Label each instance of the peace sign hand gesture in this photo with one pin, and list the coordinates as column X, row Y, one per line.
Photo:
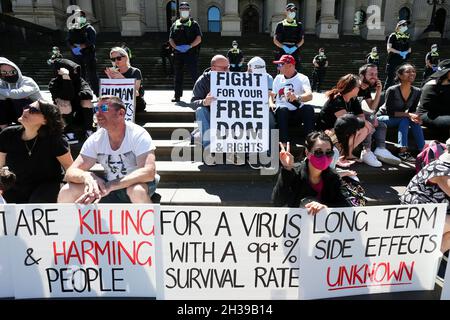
column 286, row 158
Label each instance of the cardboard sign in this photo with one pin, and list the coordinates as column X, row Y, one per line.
column 218, row 253
column 240, row 113
column 125, row 89
column 6, row 278
column 355, row 251
column 83, row 251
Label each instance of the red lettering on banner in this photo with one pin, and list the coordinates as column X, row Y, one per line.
column 98, row 222
column 377, row 274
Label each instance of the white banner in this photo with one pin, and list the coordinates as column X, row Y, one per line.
column 83, row 251
column 6, row 279
column 355, row 251
column 240, row 113
column 125, row 89
column 216, row 253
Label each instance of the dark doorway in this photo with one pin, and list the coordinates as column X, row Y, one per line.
column 6, row 6
column 171, row 13
column 441, row 16
column 250, row 21
column 404, row 14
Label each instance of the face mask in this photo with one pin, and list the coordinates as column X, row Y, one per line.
column 434, row 50
column 291, row 15
column 321, row 163
column 82, row 20
column 235, row 47
column 403, row 29
column 184, row 14
column 321, row 53
column 11, row 79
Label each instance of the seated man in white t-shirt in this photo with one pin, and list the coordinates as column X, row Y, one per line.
column 126, row 152
column 292, row 90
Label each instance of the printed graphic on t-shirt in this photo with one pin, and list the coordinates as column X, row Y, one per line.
column 117, row 165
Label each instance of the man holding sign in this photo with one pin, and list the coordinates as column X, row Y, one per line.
column 126, row 152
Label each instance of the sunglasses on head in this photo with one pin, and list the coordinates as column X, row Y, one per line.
column 103, row 107
column 32, row 110
column 8, row 73
column 119, row 58
column 320, row 153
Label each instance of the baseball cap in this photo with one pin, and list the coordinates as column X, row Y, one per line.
column 291, row 6
column 184, row 5
column 234, row 43
column 257, row 64
column 286, row 59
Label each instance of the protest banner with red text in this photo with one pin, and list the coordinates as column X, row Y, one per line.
column 83, row 251
column 355, row 251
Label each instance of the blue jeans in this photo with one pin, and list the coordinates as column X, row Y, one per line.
column 203, row 117
column 403, row 125
column 285, row 117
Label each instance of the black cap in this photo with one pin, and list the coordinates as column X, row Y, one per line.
column 184, row 5
column 291, row 6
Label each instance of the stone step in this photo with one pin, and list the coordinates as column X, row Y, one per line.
column 165, row 130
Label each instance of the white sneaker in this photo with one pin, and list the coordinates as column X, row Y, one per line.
column 386, row 156
column 369, row 158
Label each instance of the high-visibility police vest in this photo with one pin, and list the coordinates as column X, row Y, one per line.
column 183, row 32
column 290, row 32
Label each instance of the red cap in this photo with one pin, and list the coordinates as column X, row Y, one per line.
column 286, row 59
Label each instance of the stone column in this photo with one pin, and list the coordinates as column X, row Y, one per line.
column 279, row 9
column 231, row 22
column 328, row 26
column 421, row 17
column 132, row 21
column 375, row 28
column 349, row 17
column 310, row 16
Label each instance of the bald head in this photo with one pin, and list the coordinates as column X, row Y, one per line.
column 219, row 63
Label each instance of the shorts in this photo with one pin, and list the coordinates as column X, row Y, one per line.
column 121, row 196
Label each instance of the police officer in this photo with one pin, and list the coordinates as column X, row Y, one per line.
column 432, row 60
column 373, row 57
column 81, row 41
column 320, row 63
column 235, row 57
column 185, row 36
column 289, row 35
column 399, row 49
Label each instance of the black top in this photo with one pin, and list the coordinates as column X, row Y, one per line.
column 434, row 100
column 135, row 73
column 293, row 186
column 183, row 33
column 86, row 35
column 433, row 58
column 289, row 32
column 396, row 103
column 235, row 56
column 400, row 42
column 42, row 166
column 321, row 60
column 327, row 117
column 373, row 59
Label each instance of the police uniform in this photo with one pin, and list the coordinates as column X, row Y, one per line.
column 433, row 58
column 401, row 42
column 184, row 33
column 235, row 57
column 289, row 34
column 374, row 58
column 318, row 75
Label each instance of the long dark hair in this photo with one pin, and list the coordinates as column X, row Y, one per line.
column 345, row 84
column 345, row 127
column 54, row 121
column 312, row 138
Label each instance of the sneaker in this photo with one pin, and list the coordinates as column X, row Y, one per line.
column 406, row 157
column 369, row 158
column 71, row 139
column 386, row 156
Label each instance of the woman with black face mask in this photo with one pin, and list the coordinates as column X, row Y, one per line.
column 16, row 92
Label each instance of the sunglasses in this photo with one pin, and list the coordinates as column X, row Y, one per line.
column 32, row 110
column 8, row 73
column 320, row 153
column 280, row 65
column 119, row 58
column 103, row 107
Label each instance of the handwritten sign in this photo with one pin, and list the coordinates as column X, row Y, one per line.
column 6, row 278
column 228, row 253
column 240, row 113
column 354, row 251
column 125, row 89
column 83, row 251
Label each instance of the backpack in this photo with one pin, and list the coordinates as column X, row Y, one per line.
column 430, row 152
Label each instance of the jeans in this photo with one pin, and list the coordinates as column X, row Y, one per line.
column 379, row 135
column 203, row 118
column 305, row 115
column 403, row 125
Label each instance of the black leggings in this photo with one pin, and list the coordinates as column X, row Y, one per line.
column 46, row 192
column 440, row 124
